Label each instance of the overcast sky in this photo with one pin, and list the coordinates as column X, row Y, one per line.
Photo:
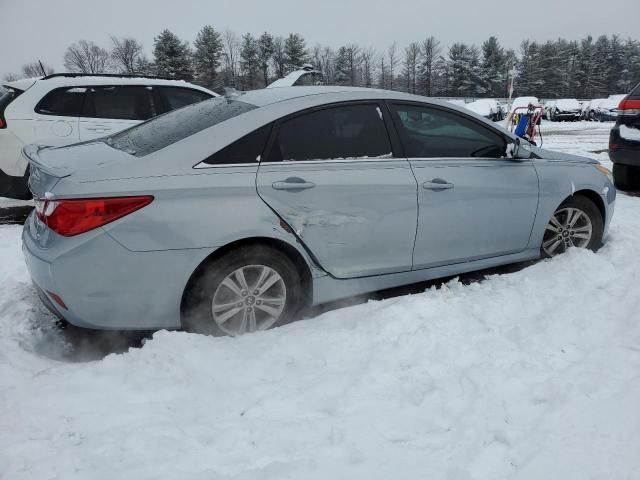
column 42, row 29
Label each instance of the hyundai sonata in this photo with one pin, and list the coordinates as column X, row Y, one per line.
column 233, row 214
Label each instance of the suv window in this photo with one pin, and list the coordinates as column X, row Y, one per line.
column 349, row 131
column 245, row 150
column 121, row 102
column 177, row 97
column 174, row 126
column 66, row 102
column 433, row 133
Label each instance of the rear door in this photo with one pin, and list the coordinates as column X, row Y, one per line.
column 473, row 202
column 110, row 109
column 332, row 175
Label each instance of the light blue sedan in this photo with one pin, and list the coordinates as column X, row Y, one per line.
column 232, row 215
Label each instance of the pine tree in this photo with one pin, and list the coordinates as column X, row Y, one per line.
column 464, row 63
column 493, row 67
column 249, row 61
column 295, row 52
column 265, row 53
column 342, row 73
column 172, row 56
column 207, row 56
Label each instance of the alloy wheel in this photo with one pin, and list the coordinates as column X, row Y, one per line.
column 249, row 299
column 569, row 227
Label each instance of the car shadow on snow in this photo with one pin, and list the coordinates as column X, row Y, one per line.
column 62, row 341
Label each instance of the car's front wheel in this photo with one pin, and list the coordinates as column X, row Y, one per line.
column 576, row 223
column 246, row 290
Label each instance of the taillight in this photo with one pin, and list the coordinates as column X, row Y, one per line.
column 3, row 123
column 72, row 217
column 629, row 107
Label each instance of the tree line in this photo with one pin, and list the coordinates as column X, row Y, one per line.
column 585, row 68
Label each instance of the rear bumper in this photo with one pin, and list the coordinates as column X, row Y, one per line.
column 102, row 284
column 626, row 152
column 575, row 116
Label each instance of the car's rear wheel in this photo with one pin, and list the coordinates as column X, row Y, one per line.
column 250, row 289
column 576, row 223
column 626, row 177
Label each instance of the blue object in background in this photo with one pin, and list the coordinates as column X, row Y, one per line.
column 521, row 128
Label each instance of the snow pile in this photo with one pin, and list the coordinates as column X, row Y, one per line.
column 527, row 375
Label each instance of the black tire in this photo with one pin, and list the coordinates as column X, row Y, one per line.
column 197, row 315
column 581, row 202
column 626, row 177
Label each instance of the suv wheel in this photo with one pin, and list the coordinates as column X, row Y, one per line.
column 250, row 289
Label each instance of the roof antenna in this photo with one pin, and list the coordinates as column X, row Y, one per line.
column 44, row 72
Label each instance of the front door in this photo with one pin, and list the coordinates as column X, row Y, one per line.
column 474, row 203
column 331, row 174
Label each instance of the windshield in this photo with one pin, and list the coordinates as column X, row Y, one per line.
column 162, row 131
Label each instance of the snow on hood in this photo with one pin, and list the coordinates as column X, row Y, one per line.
column 567, row 104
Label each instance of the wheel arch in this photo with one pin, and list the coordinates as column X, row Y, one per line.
column 289, row 250
column 594, row 197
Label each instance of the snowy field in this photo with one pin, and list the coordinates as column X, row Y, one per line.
column 526, row 375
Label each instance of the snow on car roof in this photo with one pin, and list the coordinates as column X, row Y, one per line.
column 290, row 79
column 72, row 81
column 483, row 106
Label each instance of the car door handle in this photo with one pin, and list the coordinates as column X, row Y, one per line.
column 293, row 183
column 437, row 184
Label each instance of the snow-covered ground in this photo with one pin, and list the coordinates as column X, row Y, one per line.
column 526, row 375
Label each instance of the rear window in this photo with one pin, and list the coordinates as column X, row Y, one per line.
column 635, row 92
column 162, row 131
column 66, row 102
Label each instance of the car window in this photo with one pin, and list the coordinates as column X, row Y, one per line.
column 65, row 102
column 177, row 97
column 433, row 133
column 245, row 150
column 164, row 130
column 350, row 131
column 121, row 102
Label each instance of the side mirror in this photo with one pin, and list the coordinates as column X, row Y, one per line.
column 519, row 149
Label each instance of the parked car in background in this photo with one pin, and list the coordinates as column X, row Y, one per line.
column 488, row 108
column 564, row 109
column 231, row 215
column 66, row 108
column 624, row 142
column 606, row 110
column 306, row 76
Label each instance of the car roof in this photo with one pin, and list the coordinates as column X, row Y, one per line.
column 268, row 96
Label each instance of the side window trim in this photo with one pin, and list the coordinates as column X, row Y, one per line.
column 396, row 151
column 398, row 126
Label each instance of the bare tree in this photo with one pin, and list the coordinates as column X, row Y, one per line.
column 126, row 54
column 279, row 57
column 327, row 65
column 368, row 57
column 392, row 54
column 11, row 77
column 353, row 60
column 430, row 50
column 231, row 54
column 35, row 69
column 86, row 57
column 411, row 55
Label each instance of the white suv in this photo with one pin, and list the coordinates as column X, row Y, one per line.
column 62, row 109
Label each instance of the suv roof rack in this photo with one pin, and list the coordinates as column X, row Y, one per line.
column 113, row 75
